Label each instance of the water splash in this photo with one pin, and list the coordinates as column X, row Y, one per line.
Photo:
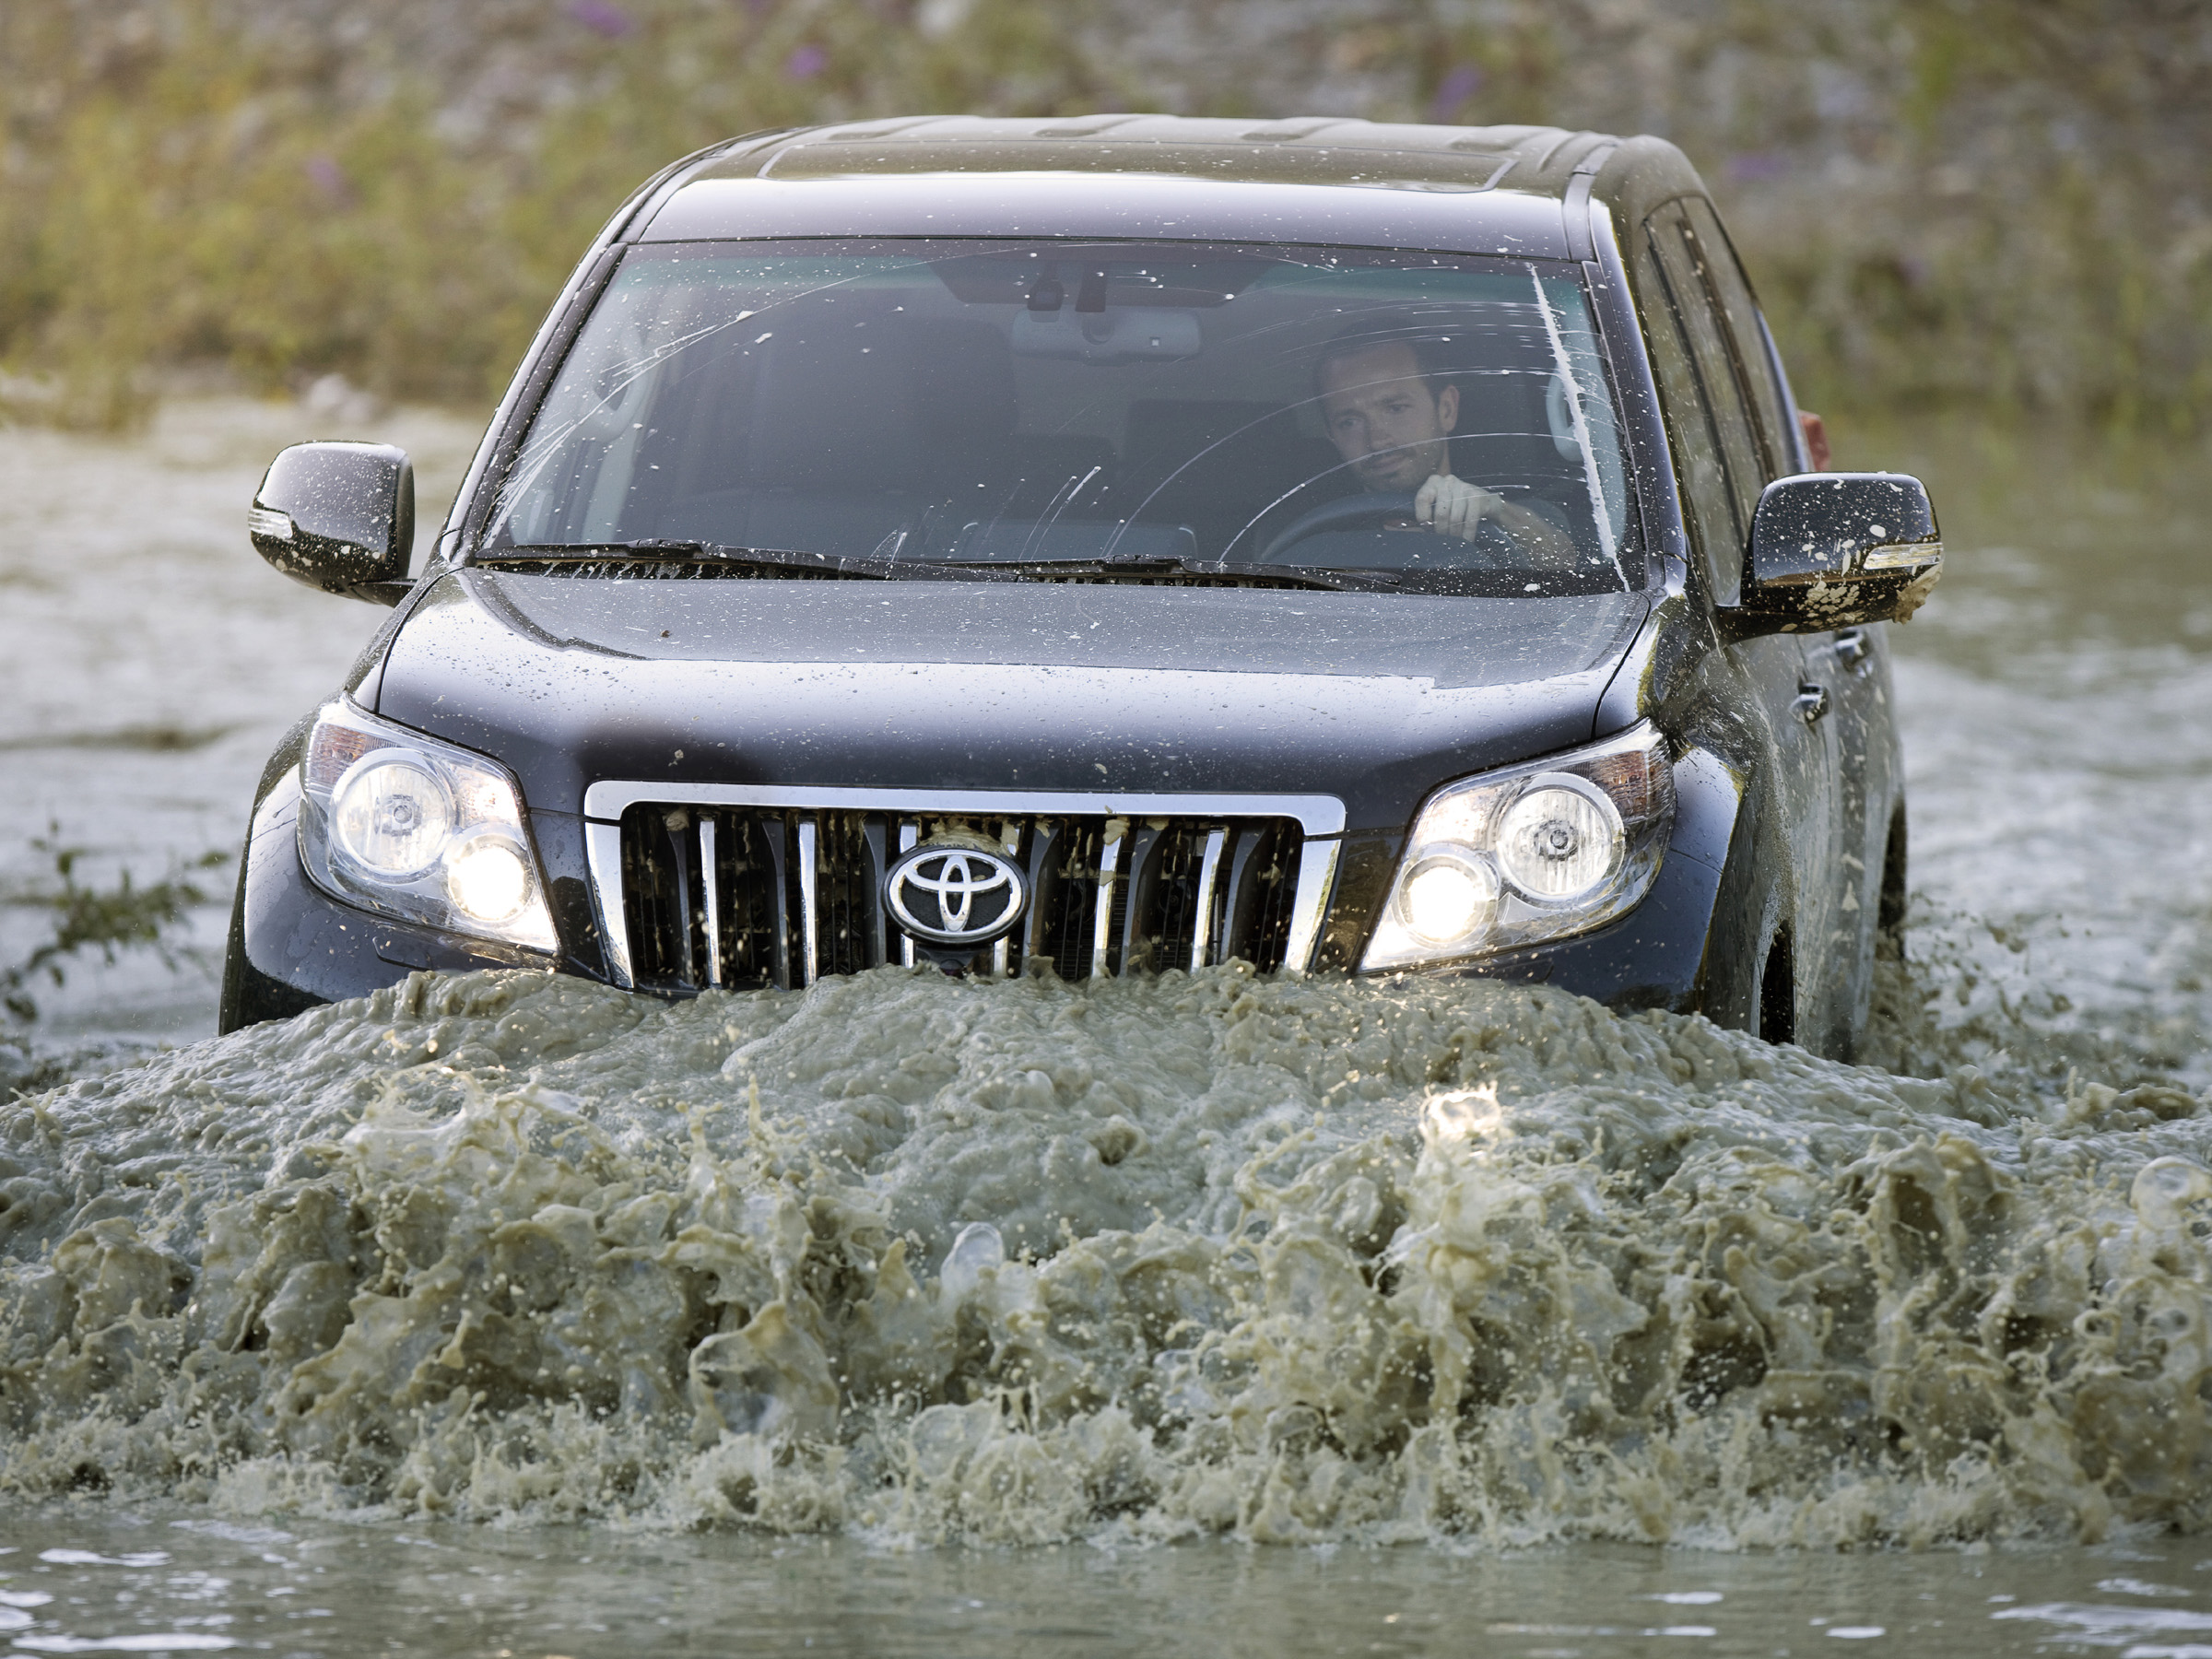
column 927, row 1259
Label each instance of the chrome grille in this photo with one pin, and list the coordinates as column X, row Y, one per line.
column 738, row 893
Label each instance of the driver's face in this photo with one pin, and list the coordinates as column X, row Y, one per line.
column 1383, row 418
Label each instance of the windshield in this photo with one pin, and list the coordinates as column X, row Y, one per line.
column 1433, row 422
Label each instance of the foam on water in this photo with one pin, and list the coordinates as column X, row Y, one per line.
column 927, row 1259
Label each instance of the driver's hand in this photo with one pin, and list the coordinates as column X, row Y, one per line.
column 1454, row 507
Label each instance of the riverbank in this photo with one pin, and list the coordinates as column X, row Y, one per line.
column 1973, row 208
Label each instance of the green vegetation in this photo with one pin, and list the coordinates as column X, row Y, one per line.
column 1969, row 205
column 123, row 917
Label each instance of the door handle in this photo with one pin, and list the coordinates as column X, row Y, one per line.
column 1852, row 647
column 1811, row 703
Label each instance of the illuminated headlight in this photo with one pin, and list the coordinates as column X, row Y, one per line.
column 1535, row 853
column 488, row 879
column 1449, row 894
column 400, row 823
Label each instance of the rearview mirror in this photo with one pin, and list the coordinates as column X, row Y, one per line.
column 1837, row 550
column 339, row 517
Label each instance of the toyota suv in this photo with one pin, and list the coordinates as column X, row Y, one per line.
column 1113, row 547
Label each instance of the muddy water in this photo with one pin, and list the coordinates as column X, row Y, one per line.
column 2057, row 747
column 913, row 1316
column 148, row 661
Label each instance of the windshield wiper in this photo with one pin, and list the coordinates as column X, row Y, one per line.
column 714, row 553
column 1111, row 567
column 1139, row 567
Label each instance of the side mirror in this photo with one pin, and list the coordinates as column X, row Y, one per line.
column 1837, row 550
column 339, row 517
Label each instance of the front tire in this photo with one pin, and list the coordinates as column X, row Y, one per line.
column 1890, row 913
column 1775, row 1006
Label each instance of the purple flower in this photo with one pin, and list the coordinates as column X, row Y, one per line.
column 1461, row 82
column 805, row 64
column 1758, row 165
column 329, row 179
column 608, row 22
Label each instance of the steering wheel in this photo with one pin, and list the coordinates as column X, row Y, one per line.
column 1372, row 512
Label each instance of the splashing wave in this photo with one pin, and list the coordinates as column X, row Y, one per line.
column 930, row 1260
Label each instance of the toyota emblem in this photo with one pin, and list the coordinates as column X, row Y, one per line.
column 955, row 895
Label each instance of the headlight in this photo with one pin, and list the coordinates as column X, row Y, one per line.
column 488, row 879
column 391, row 814
column 1531, row 853
column 400, row 823
column 1560, row 840
column 1449, row 894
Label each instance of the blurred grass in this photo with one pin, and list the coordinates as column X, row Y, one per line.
column 200, row 195
column 107, row 920
column 1969, row 207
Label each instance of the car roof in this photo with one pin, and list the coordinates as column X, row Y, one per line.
column 1318, row 150
column 1506, row 190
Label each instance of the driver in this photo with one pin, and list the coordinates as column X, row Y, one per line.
column 1391, row 416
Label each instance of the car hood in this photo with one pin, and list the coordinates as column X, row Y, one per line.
column 1088, row 686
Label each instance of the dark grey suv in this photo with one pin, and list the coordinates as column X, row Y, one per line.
column 1113, row 546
